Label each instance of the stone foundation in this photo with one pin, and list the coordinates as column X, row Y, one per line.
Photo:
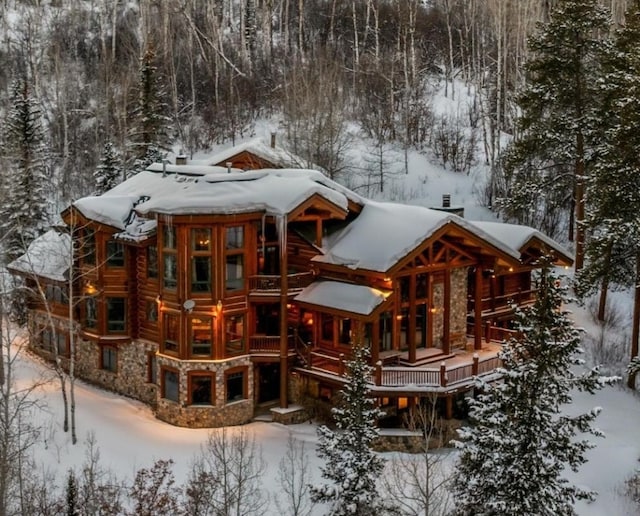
column 218, row 414
column 293, row 415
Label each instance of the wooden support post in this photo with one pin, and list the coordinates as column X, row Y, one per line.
column 448, row 407
column 476, row 363
column 284, row 322
column 378, row 373
column 443, row 374
column 487, row 330
column 411, row 323
column 341, row 365
column 477, row 311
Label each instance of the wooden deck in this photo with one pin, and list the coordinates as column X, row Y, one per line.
column 433, row 371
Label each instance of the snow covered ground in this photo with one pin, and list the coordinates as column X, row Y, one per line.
column 129, row 438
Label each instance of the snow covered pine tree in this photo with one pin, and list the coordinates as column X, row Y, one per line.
column 351, row 466
column 521, row 439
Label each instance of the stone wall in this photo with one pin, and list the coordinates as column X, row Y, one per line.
column 204, row 416
column 458, row 313
column 132, row 370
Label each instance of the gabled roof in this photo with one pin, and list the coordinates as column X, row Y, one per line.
column 276, row 156
column 523, row 238
column 384, row 233
column 46, row 257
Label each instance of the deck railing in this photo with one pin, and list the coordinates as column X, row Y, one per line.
column 267, row 343
column 273, row 283
column 444, row 375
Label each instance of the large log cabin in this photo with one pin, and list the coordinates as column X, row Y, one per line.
column 210, row 293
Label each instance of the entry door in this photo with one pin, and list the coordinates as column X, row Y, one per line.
column 269, row 378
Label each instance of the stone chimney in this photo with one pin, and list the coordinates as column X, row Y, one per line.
column 446, row 200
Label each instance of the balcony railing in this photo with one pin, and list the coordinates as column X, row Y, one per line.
column 268, row 343
column 273, row 283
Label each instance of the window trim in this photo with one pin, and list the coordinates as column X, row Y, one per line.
column 243, row 339
column 114, row 350
column 190, row 335
column 244, row 370
column 203, row 374
column 163, row 348
column 124, row 321
column 119, row 254
column 235, row 251
column 163, row 383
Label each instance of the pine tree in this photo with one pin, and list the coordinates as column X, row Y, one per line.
column 109, row 170
column 613, row 252
column 546, row 166
column 351, row 466
column 23, row 211
column 72, row 495
column 150, row 125
column 521, row 440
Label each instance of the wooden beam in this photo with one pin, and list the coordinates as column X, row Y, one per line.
column 411, row 327
column 284, row 324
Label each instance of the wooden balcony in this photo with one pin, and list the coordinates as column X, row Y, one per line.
column 268, row 344
column 502, row 304
column 272, row 284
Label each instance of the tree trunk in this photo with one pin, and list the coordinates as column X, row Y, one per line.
column 631, row 381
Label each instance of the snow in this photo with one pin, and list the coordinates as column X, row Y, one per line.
column 47, row 256
column 386, row 232
column 356, row 299
column 129, row 438
column 517, row 236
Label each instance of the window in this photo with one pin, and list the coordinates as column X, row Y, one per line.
column 152, row 311
column 88, row 250
column 386, row 331
column 171, row 333
column 46, row 340
column 152, row 262
column 170, row 271
column 200, row 274
column 56, row 294
column 61, row 344
column 236, row 385
column 169, row 237
column 234, row 259
column 201, row 260
column 327, row 327
column 201, row 389
column 115, row 254
column 116, row 314
column 170, row 385
column 169, row 257
column 235, row 272
column 109, row 359
column 235, row 237
column 201, row 334
column 234, row 334
column 90, row 312
column 344, row 335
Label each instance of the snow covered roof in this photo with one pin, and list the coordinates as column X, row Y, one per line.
column 356, row 299
column 211, row 190
column 47, row 257
column 519, row 237
column 386, row 232
column 277, row 156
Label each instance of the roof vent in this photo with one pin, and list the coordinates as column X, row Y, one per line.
column 229, row 165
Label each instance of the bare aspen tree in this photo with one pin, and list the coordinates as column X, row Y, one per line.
column 418, row 483
column 294, row 477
